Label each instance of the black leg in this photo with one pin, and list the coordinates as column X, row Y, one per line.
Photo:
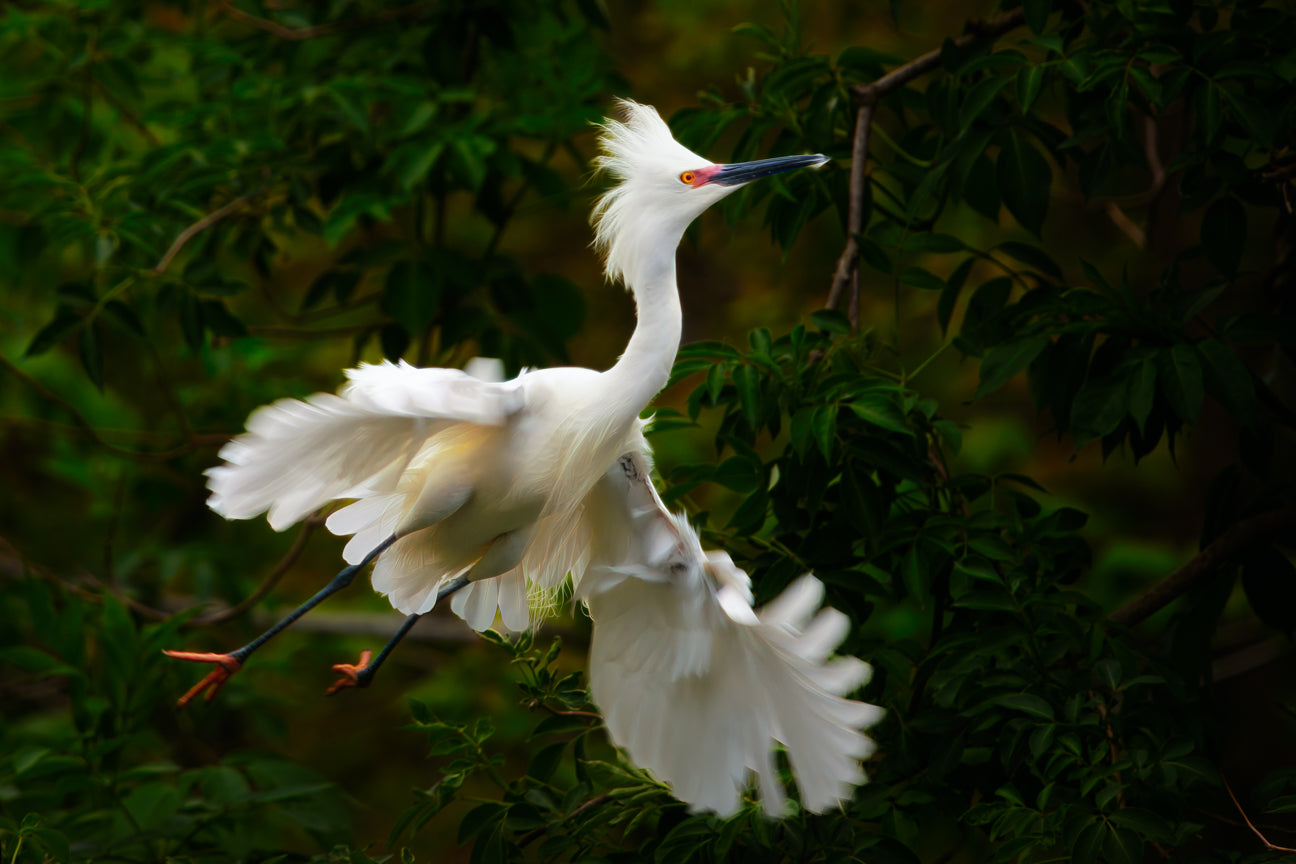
column 362, row 673
column 340, row 581
column 228, row 664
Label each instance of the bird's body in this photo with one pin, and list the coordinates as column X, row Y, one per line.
column 499, row 491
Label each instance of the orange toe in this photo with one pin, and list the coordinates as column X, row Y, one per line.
column 226, row 666
column 350, row 673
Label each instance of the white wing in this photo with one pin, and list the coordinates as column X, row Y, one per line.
column 697, row 686
column 298, row 455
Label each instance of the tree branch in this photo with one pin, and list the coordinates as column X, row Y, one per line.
column 272, row 578
column 294, row 34
column 1254, row 830
column 201, row 225
column 85, row 427
column 1240, row 537
column 866, row 97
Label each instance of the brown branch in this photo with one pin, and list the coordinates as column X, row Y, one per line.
column 1243, row 535
column 1254, row 830
column 866, row 97
column 531, row 836
column 848, row 264
column 201, row 225
column 272, row 578
column 89, row 430
column 294, row 34
column 561, row 712
column 324, row 333
column 129, row 116
column 1126, row 224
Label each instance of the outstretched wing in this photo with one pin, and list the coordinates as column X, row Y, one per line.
column 299, row 454
column 696, row 685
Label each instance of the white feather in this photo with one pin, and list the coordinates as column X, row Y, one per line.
column 698, row 687
column 298, row 455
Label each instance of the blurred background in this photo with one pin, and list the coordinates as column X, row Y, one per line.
column 403, row 180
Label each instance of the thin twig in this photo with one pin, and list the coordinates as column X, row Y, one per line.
column 327, row 333
column 272, row 578
column 866, row 97
column 1126, row 224
column 1254, row 830
column 129, row 116
column 294, row 34
column 220, row 615
column 848, row 263
column 89, row 430
column 561, row 712
column 531, row 836
column 201, row 225
column 1243, row 535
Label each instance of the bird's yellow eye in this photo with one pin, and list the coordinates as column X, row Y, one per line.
column 687, row 178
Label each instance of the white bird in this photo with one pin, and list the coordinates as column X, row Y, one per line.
column 501, row 490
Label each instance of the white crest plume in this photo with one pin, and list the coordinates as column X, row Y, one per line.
column 646, row 160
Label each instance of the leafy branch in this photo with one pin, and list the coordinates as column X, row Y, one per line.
column 1225, row 549
column 846, row 273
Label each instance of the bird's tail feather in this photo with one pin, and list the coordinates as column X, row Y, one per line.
column 706, row 725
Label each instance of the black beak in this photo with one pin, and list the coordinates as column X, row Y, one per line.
column 745, row 172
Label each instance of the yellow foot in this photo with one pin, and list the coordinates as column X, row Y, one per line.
column 350, row 673
column 226, row 666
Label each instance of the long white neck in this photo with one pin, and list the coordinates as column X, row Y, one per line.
column 646, row 364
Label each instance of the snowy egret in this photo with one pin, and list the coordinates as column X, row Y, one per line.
column 498, row 491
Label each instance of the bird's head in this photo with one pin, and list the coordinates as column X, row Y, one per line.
column 662, row 187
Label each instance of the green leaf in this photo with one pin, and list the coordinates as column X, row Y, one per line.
column 921, row 279
column 831, row 321
column 824, row 425
column 1003, row 362
column 33, row 660
column 481, row 818
column 865, row 508
column 410, row 163
column 1029, row 81
column 1028, row 703
column 949, row 294
column 1255, row 118
column 1088, row 842
column 1109, row 672
column 1099, row 408
column 747, row 382
column 881, row 409
column 63, row 323
column 933, row 243
column 412, row 295
column 1024, row 181
column 1122, row 846
column 218, row 319
column 979, row 98
column 1224, row 233
column 1154, row 826
column 1032, row 256
column 981, row 188
column 91, row 352
column 342, row 218
column 1209, row 116
column 1037, row 14
column 1228, row 379
column 739, row 473
column 191, row 320
column 1181, row 380
column 152, row 804
column 546, row 760
column 1142, row 393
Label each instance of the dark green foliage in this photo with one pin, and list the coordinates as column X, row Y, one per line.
column 207, row 206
